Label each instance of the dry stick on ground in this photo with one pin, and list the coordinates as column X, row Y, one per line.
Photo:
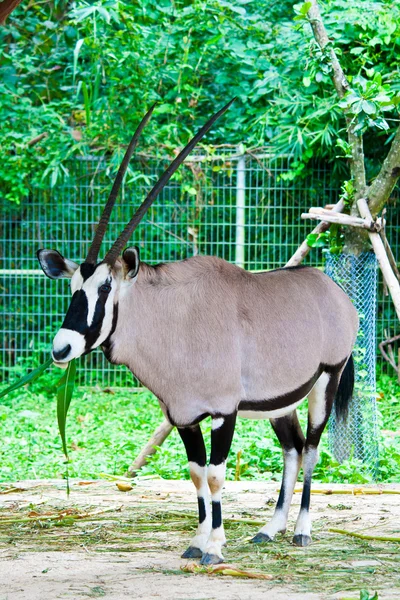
column 160, row 434
column 362, row 536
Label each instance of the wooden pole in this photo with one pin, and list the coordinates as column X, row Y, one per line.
column 384, row 263
column 304, row 248
column 326, row 215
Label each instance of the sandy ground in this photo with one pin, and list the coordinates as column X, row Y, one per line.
column 129, row 545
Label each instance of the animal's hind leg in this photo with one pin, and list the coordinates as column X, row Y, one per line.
column 221, row 439
column 197, row 457
column 291, row 438
column 320, row 401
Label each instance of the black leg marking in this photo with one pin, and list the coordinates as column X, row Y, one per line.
column 202, row 509
column 196, row 453
column 315, row 427
column 221, row 439
column 194, row 444
column 216, row 515
column 291, row 438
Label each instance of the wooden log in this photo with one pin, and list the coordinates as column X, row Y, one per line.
column 341, row 219
column 304, row 248
column 160, row 434
column 384, row 263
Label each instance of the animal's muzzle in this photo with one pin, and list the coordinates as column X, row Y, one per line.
column 59, row 355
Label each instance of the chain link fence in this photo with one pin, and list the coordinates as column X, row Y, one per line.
column 243, row 208
column 358, row 437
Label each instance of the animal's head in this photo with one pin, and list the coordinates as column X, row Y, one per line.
column 92, row 314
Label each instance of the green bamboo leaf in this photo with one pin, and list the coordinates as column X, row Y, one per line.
column 28, row 378
column 65, row 388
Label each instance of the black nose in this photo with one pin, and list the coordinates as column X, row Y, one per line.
column 60, row 354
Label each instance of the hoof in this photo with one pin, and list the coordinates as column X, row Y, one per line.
column 261, row 538
column 301, row 540
column 211, row 559
column 192, row 552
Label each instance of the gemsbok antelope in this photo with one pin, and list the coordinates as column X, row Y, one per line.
column 212, row 340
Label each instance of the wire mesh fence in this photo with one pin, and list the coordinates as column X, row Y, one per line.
column 357, row 437
column 242, row 208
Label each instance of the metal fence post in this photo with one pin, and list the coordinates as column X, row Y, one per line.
column 240, row 208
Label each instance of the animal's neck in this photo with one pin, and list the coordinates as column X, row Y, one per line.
column 124, row 343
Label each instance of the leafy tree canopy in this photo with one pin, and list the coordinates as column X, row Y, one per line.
column 85, row 72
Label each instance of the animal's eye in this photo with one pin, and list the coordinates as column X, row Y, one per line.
column 105, row 288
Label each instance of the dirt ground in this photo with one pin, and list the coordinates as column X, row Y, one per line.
column 102, row 542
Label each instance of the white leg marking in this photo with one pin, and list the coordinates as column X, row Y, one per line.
column 303, row 523
column 217, row 423
column 317, row 400
column 291, row 471
column 216, row 480
column 199, row 477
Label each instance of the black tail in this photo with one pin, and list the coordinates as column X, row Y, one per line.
column 344, row 393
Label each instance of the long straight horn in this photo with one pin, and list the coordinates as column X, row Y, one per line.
column 105, row 217
column 121, row 241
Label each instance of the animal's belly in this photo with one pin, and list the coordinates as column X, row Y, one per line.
column 269, row 414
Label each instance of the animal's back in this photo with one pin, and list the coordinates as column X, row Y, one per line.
column 216, row 334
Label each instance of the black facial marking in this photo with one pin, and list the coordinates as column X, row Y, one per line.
column 216, row 515
column 107, row 345
column 76, row 317
column 87, row 270
column 202, row 509
column 95, row 327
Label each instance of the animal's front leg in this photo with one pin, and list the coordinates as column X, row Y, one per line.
column 196, row 453
column 221, row 439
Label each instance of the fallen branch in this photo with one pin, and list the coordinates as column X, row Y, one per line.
column 350, row 492
column 388, row 358
column 150, row 448
column 59, row 516
column 37, row 139
column 362, row 536
column 224, row 569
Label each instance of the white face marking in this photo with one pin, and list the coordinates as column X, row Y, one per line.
column 91, row 289
column 76, row 281
column 67, row 337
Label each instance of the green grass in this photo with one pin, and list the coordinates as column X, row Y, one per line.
column 105, row 431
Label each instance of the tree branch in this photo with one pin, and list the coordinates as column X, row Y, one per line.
column 6, row 7
column 382, row 186
column 342, row 86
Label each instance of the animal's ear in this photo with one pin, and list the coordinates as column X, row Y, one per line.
column 131, row 259
column 56, row 266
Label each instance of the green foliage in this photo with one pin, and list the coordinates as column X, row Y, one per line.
column 65, row 389
column 85, row 73
column 106, row 430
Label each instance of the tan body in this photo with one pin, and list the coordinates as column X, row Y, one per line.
column 204, row 335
